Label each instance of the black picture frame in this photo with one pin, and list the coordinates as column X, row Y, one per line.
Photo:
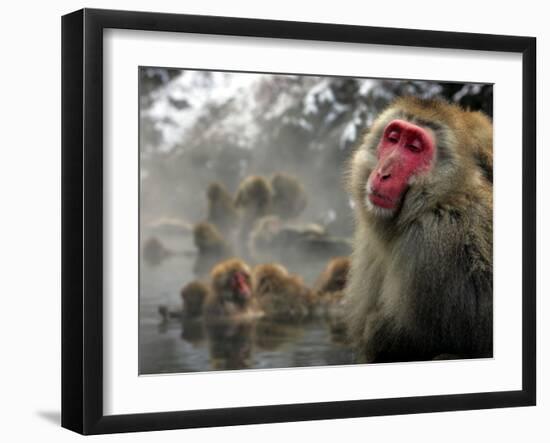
column 82, row 220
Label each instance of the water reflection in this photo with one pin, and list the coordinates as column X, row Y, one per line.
column 230, row 344
column 192, row 331
column 271, row 336
column 171, row 342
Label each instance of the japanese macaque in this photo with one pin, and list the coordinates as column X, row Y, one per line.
column 289, row 197
column 230, row 312
column 421, row 279
column 231, row 293
column 330, row 288
column 212, row 247
column 193, row 296
column 154, row 251
column 282, row 297
column 253, row 201
column 221, row 208
column 254, row 196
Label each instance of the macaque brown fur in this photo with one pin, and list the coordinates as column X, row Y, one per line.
column 221, row 208
column 211, row 246
column 289, row 197
column 282, row 296
column 330, row 287
column 193, row 296
column 421, row 280
column 253, row 201
column 334, row 276
column 253, row 197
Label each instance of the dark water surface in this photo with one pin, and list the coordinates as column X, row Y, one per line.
column 190, row 346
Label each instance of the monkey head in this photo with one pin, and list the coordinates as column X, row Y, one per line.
column 154, row 251
column 269, row 278
column 289, row 196
column 254, row 193
column 215, row 191
column 231, row 282
column 193, row 295
column 206, row 236
column 335, row 275
column 418, row 153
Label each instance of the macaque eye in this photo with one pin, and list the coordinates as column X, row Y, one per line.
column 414, row 146
column 393, row 136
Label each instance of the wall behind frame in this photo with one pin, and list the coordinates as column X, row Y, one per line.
column 30, row 196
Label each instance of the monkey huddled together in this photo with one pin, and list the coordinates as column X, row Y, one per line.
column 260, row 224
column 234, row 290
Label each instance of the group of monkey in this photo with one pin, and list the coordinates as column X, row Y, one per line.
column 419, row 282
column 237, row 225
column 236, row 292
column 254, row 225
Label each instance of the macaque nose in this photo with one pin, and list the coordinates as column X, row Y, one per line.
column 383, row 173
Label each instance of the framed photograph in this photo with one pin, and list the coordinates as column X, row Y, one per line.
column 269, row 221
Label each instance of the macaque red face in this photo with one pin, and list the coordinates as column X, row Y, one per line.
column 405, row 151
column 240, row 283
